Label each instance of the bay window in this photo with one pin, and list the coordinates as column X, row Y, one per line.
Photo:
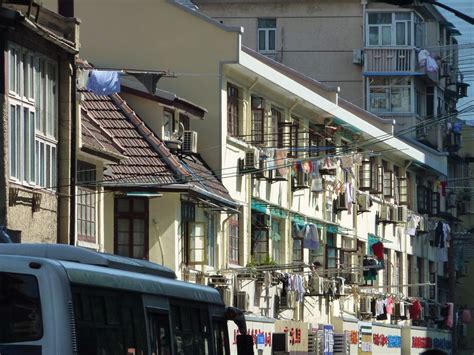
column 390, row 94
column 32, row 124
column 394, row 29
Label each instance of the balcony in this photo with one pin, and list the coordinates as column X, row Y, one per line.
column 394, row 61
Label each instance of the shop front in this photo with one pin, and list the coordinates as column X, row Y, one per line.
column 415, row 340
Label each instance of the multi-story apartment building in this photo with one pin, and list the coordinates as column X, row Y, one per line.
column 38, row 111
column 318, row 181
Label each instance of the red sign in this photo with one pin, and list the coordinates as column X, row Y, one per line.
column 354, row 337
column 294, row 335
column 421, row 342
column 254, row 333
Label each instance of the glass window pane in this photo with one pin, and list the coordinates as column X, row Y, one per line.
column 373, row 36
column 32, row 147
column 401, row 33
column 123, row 205
column 26, row 145
column 48, row 166
column 139, row 205
column 403, row 16
column 261, row 40
column 380, row 18
column 13, row 143
column 20, row 308
column 266, row 23
column 271, row 40
column 379, row 100
column 386, row 35
column 401, row 100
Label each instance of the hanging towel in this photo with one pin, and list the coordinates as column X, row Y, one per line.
column 298, row 231
column 311, row 238
column 82, row 78
column 431, row 64
column 349, row 197
column 104, row 82
column 377, row 248
column 316, row 181
column 449, row 318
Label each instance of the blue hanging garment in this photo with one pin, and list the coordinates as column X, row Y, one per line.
column 4, row 237
column 103, row 82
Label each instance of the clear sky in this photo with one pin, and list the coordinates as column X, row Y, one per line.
column 466, row 55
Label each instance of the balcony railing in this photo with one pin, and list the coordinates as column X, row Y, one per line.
column 389, row 60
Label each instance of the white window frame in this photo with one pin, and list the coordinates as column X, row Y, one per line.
column 409, row 29
column 389, row 91
column 34, row 161
column 266, row 31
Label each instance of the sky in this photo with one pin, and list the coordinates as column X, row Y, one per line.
column 466, row 55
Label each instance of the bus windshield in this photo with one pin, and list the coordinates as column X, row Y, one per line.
column 20, row 308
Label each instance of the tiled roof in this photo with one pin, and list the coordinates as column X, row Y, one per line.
column 202, row 176
column 97, row 139
column 142, row 165
column 147, row 160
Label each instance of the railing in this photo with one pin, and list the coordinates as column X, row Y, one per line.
column 390, row 59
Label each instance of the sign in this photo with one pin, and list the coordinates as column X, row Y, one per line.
column 365, row 338
column 328, row 339
column 297, row 334
column 389, row 341
column 429, row 342
column 260, row 341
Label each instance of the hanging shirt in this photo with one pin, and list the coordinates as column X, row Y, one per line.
column 311, row 238
column 103, row 82
column 377, row 248
column 379, row 307
column 415, row 310
column 389, row 305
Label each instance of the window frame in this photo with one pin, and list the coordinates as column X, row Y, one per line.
column 257, row 133
column 329, row 247
column 33, row 131
column 233, row 110
column 234, row 239
column 409, row 28
column 266, row 31
column 388, row 91
column 131, row 215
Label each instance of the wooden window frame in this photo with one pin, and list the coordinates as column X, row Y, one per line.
column 130, row 216
column 86, row 212
column 403, row 191
column 233, row 110
column 190, row 259
column 258, row 135
column 388, row 187
column 234, row 239
column 260, row 226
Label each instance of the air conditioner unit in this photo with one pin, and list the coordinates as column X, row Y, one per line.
column 342, row 343
column 242, row 300
column 301, row 180
column 189, row 142
column 341, row 202
column 316, row 285
column 358, row 56
column 402, row 212
column 393, row 214
column 363, row 202
column 385, row 215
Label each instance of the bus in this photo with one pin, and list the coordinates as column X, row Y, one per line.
column 60, row 299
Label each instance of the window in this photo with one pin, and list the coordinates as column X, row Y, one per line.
column 160, row 339
column 170, row 126
column 277, row 129
column 131, row 227
column 421, row 276
column 276, row 240
column 260, row 241
column 332, row 253
column 369, row 176
column 391, row 29
column 233, row 226
column 316, row 140
column 386, row 269
column 424, row 199
column 86, row 202
column 403, row 190
column 211, row 238
column 232, row 110
column 258, row 115
column 266, row 35
column 410, row 274
column 33, row 118
column 419, row 32
column 398, row 277
column 197, row 243
column 109, row 321
column 20, row 308
column 191, row 329
column 298, row 239
column 390, row 94
column 388, row 187
column 294, row 143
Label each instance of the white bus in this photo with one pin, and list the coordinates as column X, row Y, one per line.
column 59, row 299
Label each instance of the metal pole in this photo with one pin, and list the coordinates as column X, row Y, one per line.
column 452, row 289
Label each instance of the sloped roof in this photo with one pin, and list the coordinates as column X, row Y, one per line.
column 147, row 161
column 142, row 164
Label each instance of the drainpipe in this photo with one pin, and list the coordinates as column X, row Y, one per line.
column 72, row 188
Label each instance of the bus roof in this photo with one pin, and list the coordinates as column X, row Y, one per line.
column 86, row 256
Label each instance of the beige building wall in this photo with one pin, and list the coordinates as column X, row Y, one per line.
column 313, row 37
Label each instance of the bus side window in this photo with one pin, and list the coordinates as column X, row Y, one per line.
column 220, row 336
column 160, row 334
